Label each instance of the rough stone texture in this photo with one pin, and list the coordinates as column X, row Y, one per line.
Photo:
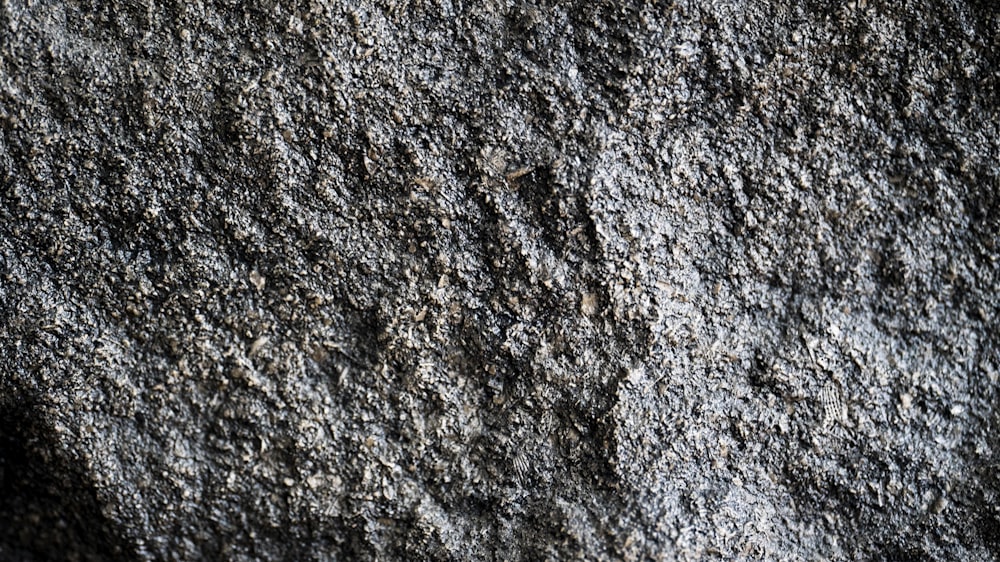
column 499, row 280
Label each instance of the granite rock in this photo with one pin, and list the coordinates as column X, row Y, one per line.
column 390, row 279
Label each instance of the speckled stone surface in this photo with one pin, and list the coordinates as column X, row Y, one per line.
column 495, row 280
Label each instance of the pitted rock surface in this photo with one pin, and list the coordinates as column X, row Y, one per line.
column 401, row 280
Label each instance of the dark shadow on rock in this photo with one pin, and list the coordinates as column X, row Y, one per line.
column 47, row 509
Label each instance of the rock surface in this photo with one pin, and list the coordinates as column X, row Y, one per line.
column 500, row 280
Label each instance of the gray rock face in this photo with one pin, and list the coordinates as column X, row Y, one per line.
column 499, row 281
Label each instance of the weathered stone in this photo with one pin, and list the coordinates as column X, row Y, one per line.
column 434, row 280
